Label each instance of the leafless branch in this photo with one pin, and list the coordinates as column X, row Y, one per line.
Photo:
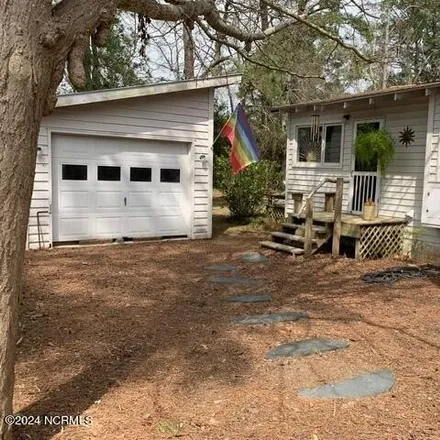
column 318, row 29
column 245, row 56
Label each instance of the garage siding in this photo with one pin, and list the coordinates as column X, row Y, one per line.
column 183, row 117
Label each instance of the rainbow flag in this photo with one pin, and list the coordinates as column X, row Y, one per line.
column 244, row 150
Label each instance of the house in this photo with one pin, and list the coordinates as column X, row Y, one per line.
column 409, row 191
column 132, row 162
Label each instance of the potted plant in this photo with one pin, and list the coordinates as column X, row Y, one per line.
column 375, row 148
column 369, row 210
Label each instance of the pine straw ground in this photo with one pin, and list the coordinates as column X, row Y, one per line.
column 138, row 338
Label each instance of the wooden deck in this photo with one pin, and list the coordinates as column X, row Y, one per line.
column 381, row 237
column 352, row 224
column 328, row 217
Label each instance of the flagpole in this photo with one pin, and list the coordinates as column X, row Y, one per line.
column 224, row 125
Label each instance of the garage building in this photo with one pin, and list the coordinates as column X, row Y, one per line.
column 127, row 163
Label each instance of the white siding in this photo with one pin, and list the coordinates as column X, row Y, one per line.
column 302, row 178
column 428, row 238
column 184, row 116
column 402, row 187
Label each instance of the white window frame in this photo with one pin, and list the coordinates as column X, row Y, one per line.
column 321, row 164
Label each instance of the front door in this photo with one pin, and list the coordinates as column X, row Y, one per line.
column 365, row 179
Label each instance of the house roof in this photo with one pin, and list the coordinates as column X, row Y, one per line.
column 345, row 100
column 146, row 90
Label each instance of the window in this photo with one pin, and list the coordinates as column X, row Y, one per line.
column 74, row 172
column 321, row 147
column 333, row 142
column 140, row 174
column 309, row 144
column 109, row 173
column 169, row 175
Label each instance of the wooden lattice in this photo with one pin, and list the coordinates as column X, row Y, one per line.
column 379, row 241
column 275, row 212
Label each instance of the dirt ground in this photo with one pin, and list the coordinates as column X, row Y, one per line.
column 138, row 338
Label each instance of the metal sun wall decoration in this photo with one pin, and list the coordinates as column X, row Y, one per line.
column 407, row 136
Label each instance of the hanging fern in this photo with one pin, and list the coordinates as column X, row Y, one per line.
column 376, row 146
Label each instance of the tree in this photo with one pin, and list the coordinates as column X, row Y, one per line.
column 405, row 39
column 321, row 72
column 221, row 147
column 115, row 65
column 36, row 42
column 414, row 40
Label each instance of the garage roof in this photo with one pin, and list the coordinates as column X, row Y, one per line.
column 395, row 92
column 146, row 90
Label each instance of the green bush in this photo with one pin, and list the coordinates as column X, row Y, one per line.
column 247, row 193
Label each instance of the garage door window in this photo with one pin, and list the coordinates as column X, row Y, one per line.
column 169, row 175
column 140, row 174
column 109, row 173
column 74, row 172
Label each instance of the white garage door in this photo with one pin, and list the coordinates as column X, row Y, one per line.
column 116, row 187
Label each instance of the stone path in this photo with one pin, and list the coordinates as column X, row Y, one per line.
column 306, row 347
column 270, row 318
column 368, row 384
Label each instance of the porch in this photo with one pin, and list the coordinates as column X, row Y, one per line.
column 381, row 237
column 308, row 229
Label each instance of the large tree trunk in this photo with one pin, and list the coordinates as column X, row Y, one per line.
column 35, row 43
column 18, row 138
column 24, row 89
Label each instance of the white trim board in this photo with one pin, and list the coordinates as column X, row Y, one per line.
column 427, row 184
column 147, row 90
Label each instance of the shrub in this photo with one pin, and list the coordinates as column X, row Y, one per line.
column 248, row 192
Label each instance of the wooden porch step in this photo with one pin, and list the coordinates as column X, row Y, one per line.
column 282, row 247
column 292, row 237
column 315, row 228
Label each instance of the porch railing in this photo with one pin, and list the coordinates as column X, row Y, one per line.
column 318, row 186
column 365, row 187
column 337, row 223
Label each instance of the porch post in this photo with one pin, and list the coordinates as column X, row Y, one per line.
column 338, row 216
column 308, row 233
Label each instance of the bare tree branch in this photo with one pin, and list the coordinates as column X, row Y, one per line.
column 194, row 10
column 213, row 22
column 215, row 63
column 245, row 56
column 317, row 28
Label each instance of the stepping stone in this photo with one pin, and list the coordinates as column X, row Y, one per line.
column 250, row 298
column 222, row 268
column 236, row 280
column 254, row 257
column 369, row 384
column 305, row 348
column 270, row 318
